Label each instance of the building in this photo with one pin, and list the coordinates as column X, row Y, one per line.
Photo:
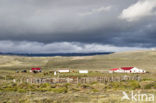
column 64, row 71
column 114, row 70
column 35, row 70
column 127, row 70
column 83, row 71
column 137, row 70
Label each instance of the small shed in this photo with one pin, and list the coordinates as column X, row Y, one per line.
column 83, row 71
column 64, row 71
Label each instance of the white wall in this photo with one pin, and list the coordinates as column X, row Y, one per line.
column 83, row 71
column 63, row 71
column 137, row 70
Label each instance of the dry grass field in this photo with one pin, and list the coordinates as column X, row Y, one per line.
column 75, row 93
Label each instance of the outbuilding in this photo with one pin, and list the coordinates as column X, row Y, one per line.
column 64, row 71
column 35, row 70
column 83, row 71
column 127, row 70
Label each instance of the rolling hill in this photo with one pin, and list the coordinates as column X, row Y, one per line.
column 140, row 59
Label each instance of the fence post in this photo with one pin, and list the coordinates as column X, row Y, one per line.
column 27, row 81
column 77, row 80
column 68, row 80
column 14, row 80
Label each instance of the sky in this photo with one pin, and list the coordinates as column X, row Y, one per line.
column 67, row 26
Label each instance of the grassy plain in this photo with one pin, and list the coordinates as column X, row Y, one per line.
column 75, row 93
column 141, row 59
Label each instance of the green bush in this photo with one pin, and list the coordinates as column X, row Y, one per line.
column 150, row 86
column 60, row 90
column 45, row 85
column 95, row 90
column 116, row 84
column 22, row 90
column 74, row 89
column 133, row 85
column 123, row 85
column 9, row 77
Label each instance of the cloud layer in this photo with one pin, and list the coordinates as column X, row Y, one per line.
column 59, row 47
column 112, row 23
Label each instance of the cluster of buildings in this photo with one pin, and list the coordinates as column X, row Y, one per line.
column 36, row 70
column 114, row 70
column 127, row 70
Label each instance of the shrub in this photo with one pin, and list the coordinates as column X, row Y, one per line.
column 116, row 85
column 9, row 77
column 95, row 90
column 75, row 89
column 150, row 85
column 85, row 86
column 53, row 86
column 21, row 90
column 1, row 77
column 60, row 90
column 134, row 84
column 123, row 85
column 45, row 85
column 23, row 86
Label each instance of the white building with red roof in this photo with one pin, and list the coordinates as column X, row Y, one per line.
column 127, row 70
column 35, row 70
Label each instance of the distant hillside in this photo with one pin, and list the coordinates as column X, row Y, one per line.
column 140, row 59
column 56, row 54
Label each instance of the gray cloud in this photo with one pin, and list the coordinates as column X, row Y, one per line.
column 59, row 47
column 104, row 22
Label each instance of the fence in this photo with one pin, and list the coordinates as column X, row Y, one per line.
column 77, row 80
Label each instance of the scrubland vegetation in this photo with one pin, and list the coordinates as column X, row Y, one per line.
column 94, row 92
column 72, row 93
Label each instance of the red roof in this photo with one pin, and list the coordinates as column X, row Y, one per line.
column 36, row 69
column 127, row 68
column 114, row 69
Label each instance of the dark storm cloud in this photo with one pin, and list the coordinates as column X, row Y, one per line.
column 105, row 22
column 59, row 47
